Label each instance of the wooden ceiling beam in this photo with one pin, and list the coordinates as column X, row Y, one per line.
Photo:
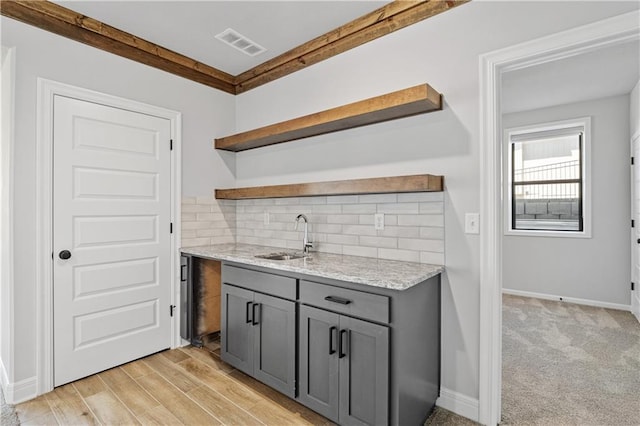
column 65, row 22
column 383, row 21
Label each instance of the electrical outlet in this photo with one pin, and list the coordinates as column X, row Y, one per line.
column 472, row 223
column 266, row 218
column 378, row 221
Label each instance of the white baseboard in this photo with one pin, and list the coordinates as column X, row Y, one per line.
column 635, row 306
column 458, row 403
column 4, row 377
column 24, row 390
column 576, row 300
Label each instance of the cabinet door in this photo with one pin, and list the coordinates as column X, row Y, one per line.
column 364, row 372
column 318, row 373
column 274, row 325
column 237, row 332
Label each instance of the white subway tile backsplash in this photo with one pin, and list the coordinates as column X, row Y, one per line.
column 327, row 209
column 189, row 217
column 359, row 208
column 399, row 208
column 359, row 230
column 366, row 219
column 205, row 200
column 378, row 198
column 329, row 248
column 330, row 228
column 414, row 224
column 313, row 200
column 378, row 242
column 206, row 220
column 421, row 245
column 404, row 255
column 432, row 233
column 195, row 208
column 433, row 258
column 342, row 218
column 287, row 201
column 196, row 225
column 188, row 233
column 201, row 217
column 342, row 199
column 342, row 239
column 417, row 197
column 400, row 231
column 421, row 220
column 432, row 208
column 360, row 251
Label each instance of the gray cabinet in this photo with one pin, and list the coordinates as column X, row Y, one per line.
column 258, row 336
column 344, row 367
column 361, row 355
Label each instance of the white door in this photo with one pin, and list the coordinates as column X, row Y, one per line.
column 111, row 212
column 635, row 242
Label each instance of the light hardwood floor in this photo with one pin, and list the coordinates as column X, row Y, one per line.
column 189, row 386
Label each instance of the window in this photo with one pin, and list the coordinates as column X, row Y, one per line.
column 547, row 189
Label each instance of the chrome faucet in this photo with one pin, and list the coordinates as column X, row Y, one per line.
column 306, row 244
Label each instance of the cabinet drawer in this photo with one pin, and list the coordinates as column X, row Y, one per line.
column 275, row 285
column 369, row 306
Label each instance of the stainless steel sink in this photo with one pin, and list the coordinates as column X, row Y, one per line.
column 282, row 256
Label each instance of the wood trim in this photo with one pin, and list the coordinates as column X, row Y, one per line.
column 385, row 20
column 402, row 103
column 65, row 22
column 414, row 183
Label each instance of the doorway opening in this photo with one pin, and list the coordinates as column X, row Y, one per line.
column 494, row 66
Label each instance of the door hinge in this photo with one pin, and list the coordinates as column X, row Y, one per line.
column 171, row 228
column 633, row 285
column 171, row 309
column 170, row 144
column 632, row 161
column 633, row 223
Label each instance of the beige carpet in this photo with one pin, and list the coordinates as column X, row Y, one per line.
column 567, row 364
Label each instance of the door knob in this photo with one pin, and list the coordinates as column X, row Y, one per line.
column 64, row 254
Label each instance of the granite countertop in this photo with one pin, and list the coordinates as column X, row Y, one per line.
column 389, row 274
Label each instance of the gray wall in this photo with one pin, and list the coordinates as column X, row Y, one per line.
column 635, row 109
column 206, row 112
column 597, row 268
column 442, row 51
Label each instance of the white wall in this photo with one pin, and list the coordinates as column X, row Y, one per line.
column 205, row 113
column 597, row 268
column 634, row 109
column 442, row 51
column 6, row 257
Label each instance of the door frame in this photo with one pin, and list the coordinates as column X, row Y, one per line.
column 47, row 89
column 608, row 32
column 635, row 294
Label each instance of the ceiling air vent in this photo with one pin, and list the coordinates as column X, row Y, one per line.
column 240, row 42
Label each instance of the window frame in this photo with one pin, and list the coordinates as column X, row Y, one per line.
column 507, row 154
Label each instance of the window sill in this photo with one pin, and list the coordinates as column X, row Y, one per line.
column 552, row 234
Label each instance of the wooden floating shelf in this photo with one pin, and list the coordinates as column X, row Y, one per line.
column 382, row 185
column 403, row 103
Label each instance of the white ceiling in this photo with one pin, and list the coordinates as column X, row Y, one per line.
column 189, row 27
column 606, row 72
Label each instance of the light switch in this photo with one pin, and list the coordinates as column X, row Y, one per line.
column 472, row 223
column 378, row 221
